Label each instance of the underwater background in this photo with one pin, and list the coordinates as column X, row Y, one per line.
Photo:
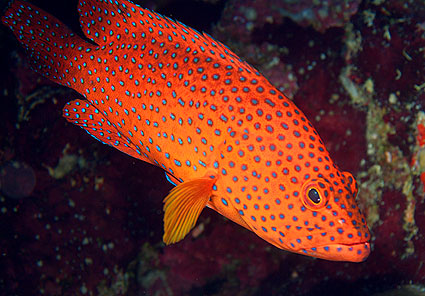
column 80, row 218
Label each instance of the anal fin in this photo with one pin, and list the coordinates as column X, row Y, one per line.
column 88, row 117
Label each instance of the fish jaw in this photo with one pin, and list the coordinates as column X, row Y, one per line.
column 339, row 252
column 357, row 251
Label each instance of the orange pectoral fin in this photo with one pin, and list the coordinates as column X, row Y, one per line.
column 182, row 207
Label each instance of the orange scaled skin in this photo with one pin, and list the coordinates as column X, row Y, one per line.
column 166, row 94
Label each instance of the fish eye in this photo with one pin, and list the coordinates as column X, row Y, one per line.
column 315, row 194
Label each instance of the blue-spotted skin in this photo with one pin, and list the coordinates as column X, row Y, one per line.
column 176, row 98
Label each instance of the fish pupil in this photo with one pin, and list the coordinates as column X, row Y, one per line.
column 314, row 196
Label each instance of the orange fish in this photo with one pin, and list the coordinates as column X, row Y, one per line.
column 178, row 99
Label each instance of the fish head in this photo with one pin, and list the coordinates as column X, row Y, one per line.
column 334, row 228
column 322, row 220
column 296, row 202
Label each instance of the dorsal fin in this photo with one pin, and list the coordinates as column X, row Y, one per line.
column 103, row 20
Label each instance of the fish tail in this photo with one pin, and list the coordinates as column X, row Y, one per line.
column 51, row 46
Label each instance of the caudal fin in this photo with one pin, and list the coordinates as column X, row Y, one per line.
column 52, row 47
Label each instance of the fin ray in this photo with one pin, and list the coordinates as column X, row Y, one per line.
column 182, row 207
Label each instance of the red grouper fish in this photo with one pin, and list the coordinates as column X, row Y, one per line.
column 178, row 99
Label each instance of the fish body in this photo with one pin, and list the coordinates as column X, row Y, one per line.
column 178, row 99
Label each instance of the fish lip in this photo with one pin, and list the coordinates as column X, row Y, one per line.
column 359, row 243
column 349, row 252
column 353, row 252
column 352, row 244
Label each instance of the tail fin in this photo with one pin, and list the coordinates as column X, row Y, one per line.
column 52, row 47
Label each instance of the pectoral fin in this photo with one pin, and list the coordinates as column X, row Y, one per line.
column 182, row 207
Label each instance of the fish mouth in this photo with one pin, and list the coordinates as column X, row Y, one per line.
column 357, row 252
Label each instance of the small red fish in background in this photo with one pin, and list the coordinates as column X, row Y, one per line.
column 178, row 99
